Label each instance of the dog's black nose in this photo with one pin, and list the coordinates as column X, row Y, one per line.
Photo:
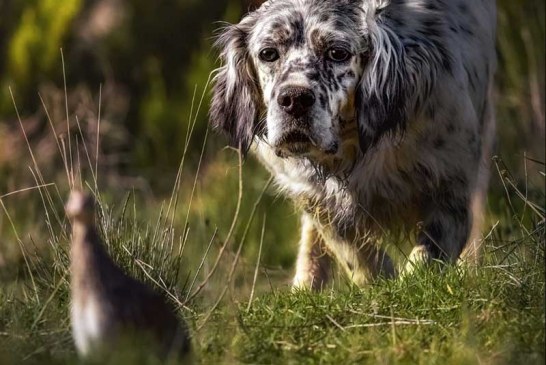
column 296, row 100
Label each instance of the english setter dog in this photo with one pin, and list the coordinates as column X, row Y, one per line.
column 374, row 116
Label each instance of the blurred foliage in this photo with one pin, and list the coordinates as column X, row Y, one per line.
column 520, row 79
column 216, row 201
column 155, row 53
column 30, row 52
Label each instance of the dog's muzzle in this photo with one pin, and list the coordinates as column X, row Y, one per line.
column 296, row 104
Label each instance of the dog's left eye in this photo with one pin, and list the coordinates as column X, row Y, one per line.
column 337, row 54
column 269, row 55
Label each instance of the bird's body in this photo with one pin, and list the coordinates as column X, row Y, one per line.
column 108, row 306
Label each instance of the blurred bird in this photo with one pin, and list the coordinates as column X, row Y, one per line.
column 108, row 306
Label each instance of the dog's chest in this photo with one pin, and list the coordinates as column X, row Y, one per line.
column 375, row 190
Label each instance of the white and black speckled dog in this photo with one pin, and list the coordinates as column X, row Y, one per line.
column 375, row 116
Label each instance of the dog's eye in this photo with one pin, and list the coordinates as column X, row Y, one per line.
column 269, row 55
column 337, row 54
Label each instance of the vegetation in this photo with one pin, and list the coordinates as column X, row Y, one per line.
column 122, row 111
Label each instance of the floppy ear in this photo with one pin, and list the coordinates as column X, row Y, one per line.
column 396, row 81
column 235, row 100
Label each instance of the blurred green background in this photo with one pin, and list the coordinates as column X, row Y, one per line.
column 143, row 66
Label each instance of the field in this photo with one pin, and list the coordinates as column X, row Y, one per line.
column 205, row 227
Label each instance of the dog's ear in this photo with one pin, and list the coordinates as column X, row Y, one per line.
column 235, row 101
column 395, row 82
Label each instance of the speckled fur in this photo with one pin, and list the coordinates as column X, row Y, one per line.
column 401, row 132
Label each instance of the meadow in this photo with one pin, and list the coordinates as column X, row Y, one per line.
column 205, row 227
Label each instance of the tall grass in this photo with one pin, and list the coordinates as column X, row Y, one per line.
column 166, row 255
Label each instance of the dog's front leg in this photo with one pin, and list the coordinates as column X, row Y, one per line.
column 313, row 263
column 442, row 236
column 359, row 256
column 364, row 262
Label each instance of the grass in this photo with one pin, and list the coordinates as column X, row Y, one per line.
column 492, row 314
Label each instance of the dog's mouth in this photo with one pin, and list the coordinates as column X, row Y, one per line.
column 300, row 144
column 293, row 143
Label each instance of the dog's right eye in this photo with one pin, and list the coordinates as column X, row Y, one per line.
column 269, row 55
column 338, row 54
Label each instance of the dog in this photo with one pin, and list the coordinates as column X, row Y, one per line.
column 374, row 116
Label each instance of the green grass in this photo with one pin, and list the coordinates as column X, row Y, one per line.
column 493, row 314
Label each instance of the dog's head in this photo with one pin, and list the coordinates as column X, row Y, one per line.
column 303, row 75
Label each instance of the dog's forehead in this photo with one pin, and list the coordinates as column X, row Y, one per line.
column 293, row 22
